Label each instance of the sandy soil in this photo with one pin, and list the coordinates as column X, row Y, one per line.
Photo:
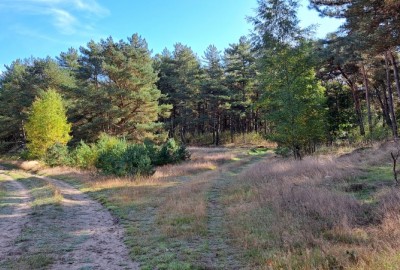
column 93, row 237
column 103, row 247
column 13, row 216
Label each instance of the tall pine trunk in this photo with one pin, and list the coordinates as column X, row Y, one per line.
column 384, row 105
column 396, row 73
column 357, row 105
column 390, row 98
column 367, row 98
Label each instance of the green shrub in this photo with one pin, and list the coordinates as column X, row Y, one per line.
column 182, row 153
column 85, row 156
column 137, row 161
column 379, row 133
column 5, row 146
column 57, row 155
column 122, row 159
column 152, row 151
column 110, row 160
column 26, row 155
column 283, row 151
column 106, row 143
column 171, row 152
column 116, row 156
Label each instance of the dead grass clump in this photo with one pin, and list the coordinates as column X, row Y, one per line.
column 309, row 170
column 389, row 202
column 370, row 156
column 319, row 209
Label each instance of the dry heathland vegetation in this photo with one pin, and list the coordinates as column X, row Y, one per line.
column 241, row 209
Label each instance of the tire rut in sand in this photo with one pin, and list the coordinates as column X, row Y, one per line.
column 102, row 244
column 14, row 214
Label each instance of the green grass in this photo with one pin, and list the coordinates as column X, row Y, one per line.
column 36, row 261
column 258, row 151
column 42, row 191
column 2, row 188
column 373, row 179
column 3, row 192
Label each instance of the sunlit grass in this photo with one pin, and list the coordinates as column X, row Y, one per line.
column 320, row 213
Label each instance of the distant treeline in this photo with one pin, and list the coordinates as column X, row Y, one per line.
column 278, row 81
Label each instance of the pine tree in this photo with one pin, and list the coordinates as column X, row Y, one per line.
column 241, row 79
column 47, row 124
column 119, row 89
column 214, row 92
column 180, row 81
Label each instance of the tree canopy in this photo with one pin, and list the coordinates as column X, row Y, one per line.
column 279, row 82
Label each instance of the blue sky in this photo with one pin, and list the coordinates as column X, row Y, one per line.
column 43, row 28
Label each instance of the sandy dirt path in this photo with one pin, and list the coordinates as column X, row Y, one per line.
column 77, row 233
column 14, row 214
column 103, row 246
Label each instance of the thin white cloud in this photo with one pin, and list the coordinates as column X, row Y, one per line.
column 91, row 6
column 64, row 21
column 67, row 16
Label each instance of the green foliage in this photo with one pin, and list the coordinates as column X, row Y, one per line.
column 152, row 151
column 283, row 151
column 111, row 152
column 107, row 143
column 341, row 118
column 129, row 97
column 5, row 146
column 85, row 155
column 137, row 160
column 296, row 104
column 179, row 80
column 57, row 155
column 19, row 85
column 47, row 124
column 116, row 156
column 171, row 152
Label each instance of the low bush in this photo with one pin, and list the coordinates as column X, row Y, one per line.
column 152, row 151
column 283, row 151
column 137, row 160
column 116, row 156
column 5, row 146
column 171, row 152
column 85, row 156
column 119, row 158
column 57, row 155
column 111, row 156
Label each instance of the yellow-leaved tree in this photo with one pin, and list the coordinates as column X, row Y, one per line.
column 47, row 124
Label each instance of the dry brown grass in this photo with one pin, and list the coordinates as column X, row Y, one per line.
column 184, row 211
column 295, row 214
